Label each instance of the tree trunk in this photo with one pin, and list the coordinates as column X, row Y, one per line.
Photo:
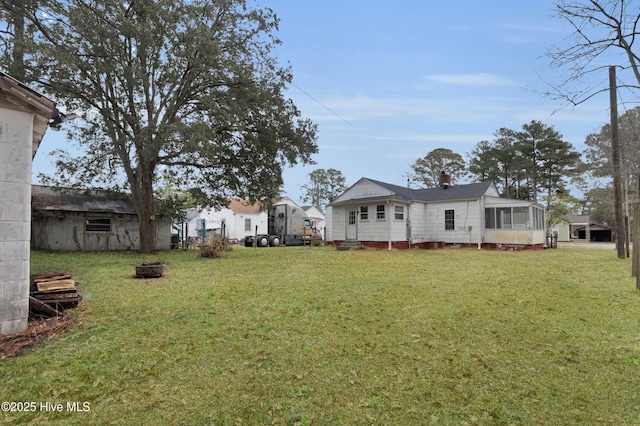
column 147, row 220
column 16, row 67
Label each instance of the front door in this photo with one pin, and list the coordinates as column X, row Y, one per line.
column 352, row 226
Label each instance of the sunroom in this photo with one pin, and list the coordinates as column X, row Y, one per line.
column 513, row 222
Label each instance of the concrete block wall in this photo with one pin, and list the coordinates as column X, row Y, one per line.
column 16, row 133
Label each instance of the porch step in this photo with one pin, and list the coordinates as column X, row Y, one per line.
column 348, row 245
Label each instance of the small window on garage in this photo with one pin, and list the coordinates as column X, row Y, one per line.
column 380, row 212
column 98, row 224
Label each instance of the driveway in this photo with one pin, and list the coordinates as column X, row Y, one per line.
column 587, row 245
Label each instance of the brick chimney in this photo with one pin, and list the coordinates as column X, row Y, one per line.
column 445, row 180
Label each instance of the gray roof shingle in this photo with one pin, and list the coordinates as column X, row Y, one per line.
column 457, row 192
column 72, row 200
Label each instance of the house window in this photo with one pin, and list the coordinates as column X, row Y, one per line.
column 449, row 220
column 380, row 212
column 399, row 213
column 98, row 224
column 247, row 225
column 364, row 213
column 352, row 217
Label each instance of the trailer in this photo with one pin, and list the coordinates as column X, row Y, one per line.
column 287, row 225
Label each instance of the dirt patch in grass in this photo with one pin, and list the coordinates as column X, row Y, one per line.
column 39, row 330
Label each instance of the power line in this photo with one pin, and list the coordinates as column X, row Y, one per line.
column 328, row 109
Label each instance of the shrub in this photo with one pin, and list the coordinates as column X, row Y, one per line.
column 214, row 248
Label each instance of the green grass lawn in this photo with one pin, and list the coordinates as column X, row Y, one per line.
column 316, row 336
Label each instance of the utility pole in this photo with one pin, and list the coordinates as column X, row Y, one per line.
column 615, row 160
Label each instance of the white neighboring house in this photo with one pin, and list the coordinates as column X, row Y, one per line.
column 383, row 215
column 239, row 219
column 317, row 218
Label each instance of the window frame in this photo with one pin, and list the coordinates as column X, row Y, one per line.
column 364, row 213
column 352, row 217
column 380, row 213
column 98, row 225
column 449, row 220
column 398, row 214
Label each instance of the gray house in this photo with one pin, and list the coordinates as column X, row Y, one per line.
column 24, row 117
column 88, row 220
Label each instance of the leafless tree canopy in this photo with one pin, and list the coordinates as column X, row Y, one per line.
column 603, row 34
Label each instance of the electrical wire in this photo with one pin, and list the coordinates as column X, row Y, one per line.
column 327, row 108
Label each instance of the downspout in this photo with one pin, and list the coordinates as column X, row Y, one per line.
column 389, row 224
column 408, row 225
column 409, row 231
column 480, row 221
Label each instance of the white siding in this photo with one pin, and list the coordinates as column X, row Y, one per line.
column 234, row 223
column 329, row 224
column 372, row 228
column 338, row 222
column 363, row 189
column 467, row 221
column 418, row 220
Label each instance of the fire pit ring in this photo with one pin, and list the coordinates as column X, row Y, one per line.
column 149, row 270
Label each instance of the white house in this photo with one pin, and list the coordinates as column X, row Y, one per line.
column 383, row 215
column 239, row 219
column 24, row 118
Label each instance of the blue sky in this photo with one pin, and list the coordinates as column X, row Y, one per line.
column 389, row 81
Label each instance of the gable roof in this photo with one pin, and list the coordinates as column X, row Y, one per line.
column 403, row 193
column 313, row 212
column 243, row 206
column 594, row 227
column 458, row 192
column 73, row 200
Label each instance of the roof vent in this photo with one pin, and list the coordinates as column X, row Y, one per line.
column 445, row 180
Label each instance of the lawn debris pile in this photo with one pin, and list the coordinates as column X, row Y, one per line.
column 51, row 297
column 39, row 330
column 52, row 293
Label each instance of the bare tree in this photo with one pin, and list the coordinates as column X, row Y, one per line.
column 604, row 34
column 603, row 37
